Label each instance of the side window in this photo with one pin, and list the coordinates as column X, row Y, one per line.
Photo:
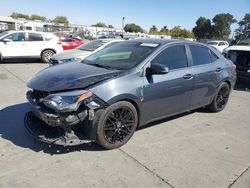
column 173, row 57
column 16, row 37
column 221, row 44
column 35, row 37
column 213, row 56
column 200, row 55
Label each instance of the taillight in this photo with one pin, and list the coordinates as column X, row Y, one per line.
column 234, row 68
column 59, row 41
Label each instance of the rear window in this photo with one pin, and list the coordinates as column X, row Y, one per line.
column 67, row 40
column 35, row 37
column 200, row 55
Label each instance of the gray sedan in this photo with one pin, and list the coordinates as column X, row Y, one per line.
column 125, row 86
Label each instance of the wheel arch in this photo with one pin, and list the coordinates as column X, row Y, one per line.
column 91, row 127
column 229, row 83
column 128, row 98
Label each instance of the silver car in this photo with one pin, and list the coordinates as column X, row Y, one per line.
column 81, row 52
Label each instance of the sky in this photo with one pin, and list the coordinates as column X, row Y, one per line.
column 142, row 12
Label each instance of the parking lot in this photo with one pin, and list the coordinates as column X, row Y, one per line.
column 196, row 149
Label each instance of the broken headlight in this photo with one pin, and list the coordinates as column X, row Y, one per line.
column 66, row 101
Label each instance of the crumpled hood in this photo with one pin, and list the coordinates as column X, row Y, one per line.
column 68, row 76
column 75, row 53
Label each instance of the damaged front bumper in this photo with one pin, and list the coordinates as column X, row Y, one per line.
column 65, row 129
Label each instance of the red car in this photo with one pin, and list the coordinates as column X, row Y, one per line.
column 70, row 43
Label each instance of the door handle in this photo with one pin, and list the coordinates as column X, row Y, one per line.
column 218, row 69
column 188, row 76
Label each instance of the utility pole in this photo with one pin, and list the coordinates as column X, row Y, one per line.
column 123, row 18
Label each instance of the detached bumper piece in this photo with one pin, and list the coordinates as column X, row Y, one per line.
column 54, row 135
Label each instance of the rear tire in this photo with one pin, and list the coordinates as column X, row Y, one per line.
column 46, row 55
column 116, row 125
column 220, row 99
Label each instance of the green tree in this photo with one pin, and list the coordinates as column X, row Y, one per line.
column 37, row 17
column 19, row 15
column 133, row 28
column 61, row 20
column 178, row 32
column 245, row 22
column 203, row 28
column 110, row 26
column 164, row 30
column 153, row 30
column 222, row 23
column 175, row 32
column 99, row 24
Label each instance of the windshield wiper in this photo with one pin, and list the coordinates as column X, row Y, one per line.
column 100, row 65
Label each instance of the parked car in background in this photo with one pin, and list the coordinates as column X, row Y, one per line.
column 239, row 54
column 205, row 41
column 124, row 86
column 69, row 43
column 29, row 44
column 79, row 53
column 219, row 45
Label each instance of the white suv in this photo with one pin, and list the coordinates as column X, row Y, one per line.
column 29, row 44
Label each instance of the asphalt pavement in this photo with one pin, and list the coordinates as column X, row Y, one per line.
column 197, row 149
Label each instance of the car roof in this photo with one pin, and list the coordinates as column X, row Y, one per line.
column 109, row 40
column 162, row 42
column 27, row 31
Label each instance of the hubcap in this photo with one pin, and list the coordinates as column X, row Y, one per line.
column 222, row 98
column 48, row 55
column 119, row 125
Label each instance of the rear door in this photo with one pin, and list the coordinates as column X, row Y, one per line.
column 169, row 93
column 17, row 45
column 36, row 44
column 206, row 68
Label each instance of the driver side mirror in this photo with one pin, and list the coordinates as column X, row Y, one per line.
column 6, row 40
column 157, row 69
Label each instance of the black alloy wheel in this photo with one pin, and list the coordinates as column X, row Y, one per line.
column 221, row 98
column 116, row 125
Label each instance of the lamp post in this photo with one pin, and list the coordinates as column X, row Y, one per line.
column 123, row 18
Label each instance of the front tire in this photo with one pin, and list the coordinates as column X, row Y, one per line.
column 220, row 99
column 46, row 55
column 116, row 125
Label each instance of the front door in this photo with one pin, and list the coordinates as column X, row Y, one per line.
column 170, row 93
column 16, row 46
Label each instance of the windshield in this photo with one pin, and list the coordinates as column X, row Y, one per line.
column 92, row 45
column 3, row 33
column 123, row 55
column 212, row 43
column 244, row 39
